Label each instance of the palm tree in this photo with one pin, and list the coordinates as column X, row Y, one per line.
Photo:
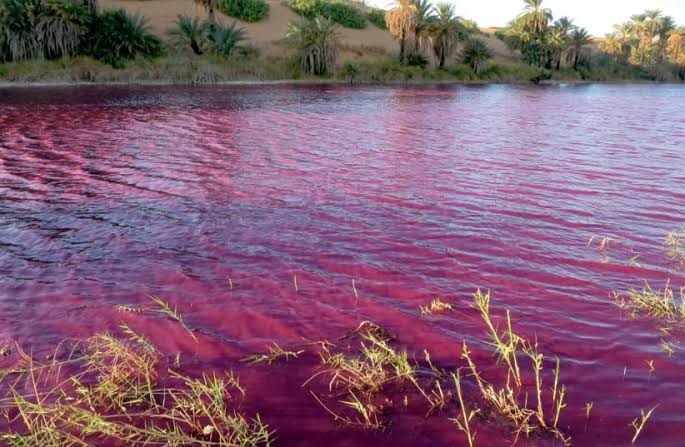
column 445, row 31
column 557, row 41
column 534, row 17
column 225, row 38
column 666, row 25
column 612, row 45
column 676, row 44
column 579, row 38
column 210, row 6
column 189, row 31
column 61, row 28
column 422, row 22
column 317, row 43
column 475, row 54
column 400, row 21
column 625, row 36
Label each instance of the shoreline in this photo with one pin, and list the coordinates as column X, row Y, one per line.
column 313, row 82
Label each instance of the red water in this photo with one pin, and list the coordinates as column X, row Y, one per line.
column 108, row 195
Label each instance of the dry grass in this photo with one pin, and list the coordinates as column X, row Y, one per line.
column 675, row 246
column 658, row 304
column 275, row 353
column 639, row 423
column 435, row 306
column 162, row 308
column 107, row 389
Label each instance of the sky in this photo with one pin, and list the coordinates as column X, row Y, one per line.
column 598, row 16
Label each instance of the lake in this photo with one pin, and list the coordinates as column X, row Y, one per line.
column 293, row 213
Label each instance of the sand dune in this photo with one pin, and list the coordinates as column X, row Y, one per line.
column 266, row 34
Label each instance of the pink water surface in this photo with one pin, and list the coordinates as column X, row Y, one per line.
column 108, row 195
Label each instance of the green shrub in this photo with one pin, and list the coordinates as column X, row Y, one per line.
column 344, row 14
column 189, row 31
column 225, row 39
column 476, row 55
column 377, row 17
column 336, row 11
column 307, row 8
column 245, row 10
column 42, row 29
column 118, row 36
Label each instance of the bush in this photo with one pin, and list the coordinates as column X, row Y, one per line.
column 225, row 39
column 118, row 36
column 336, row 11
column 38, row 29
column 377, row 17
column 306, row 8
column 344, row 14
column 245, row 10
column 476, row 54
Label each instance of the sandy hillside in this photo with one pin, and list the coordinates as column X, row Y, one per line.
column 163, row 13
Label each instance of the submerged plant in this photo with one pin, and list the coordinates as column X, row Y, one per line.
column 639, row 423
column 658, row 304
column 437, row 305
column 675, row 245
column 112, row 382
column 275, row 353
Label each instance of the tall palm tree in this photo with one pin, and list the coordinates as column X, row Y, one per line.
column 557, row 41
column 445, row 31
column 317, row 42
column 626, row 37
column 476, row 55
column 666, row 26
column 612, row 45
column 422, row 23
column 676, row 44
column 400, row 21
column 579, row 38
column 210, row 6
column 535, row 18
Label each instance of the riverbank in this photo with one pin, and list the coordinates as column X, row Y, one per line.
column 186, row 69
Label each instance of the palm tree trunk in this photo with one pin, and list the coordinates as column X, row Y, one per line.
column 442, row 59
column 403, row 43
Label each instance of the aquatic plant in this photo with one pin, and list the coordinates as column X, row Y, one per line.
column 94, row 390
column 275, row 353
column 675, row 245
column 658, row 304
column 639, row 423
column 463, row 420
column 436, row 305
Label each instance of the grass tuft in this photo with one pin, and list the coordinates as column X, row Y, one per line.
column 435, row 306
column 658, row 304
column 275, row 353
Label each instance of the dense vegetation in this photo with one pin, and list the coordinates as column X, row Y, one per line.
column 316, row 41
column 40, row 37
column 376, row 16
column 649, row 46
column 337, row 11
column 245, row 10
column 51, row 29
column 650, row 40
